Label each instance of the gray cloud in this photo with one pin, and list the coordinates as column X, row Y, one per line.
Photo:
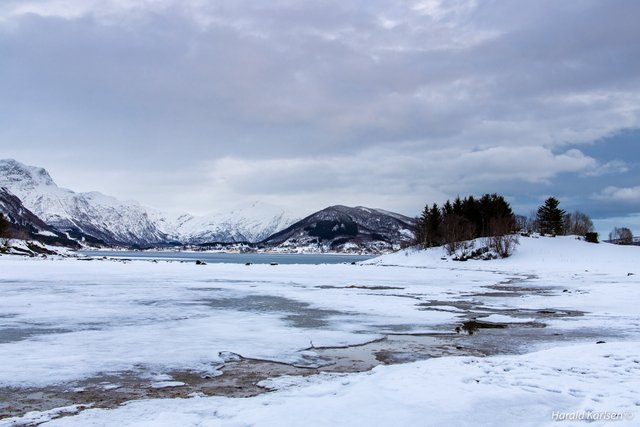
column 625, row 195
column 198, row 104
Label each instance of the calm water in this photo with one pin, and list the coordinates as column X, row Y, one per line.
column 232, row 258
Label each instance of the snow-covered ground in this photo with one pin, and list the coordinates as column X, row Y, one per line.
column 65, row 320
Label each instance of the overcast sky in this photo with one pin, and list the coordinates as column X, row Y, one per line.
column 194, row 105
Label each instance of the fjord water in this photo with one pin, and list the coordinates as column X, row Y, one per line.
column 231, row 258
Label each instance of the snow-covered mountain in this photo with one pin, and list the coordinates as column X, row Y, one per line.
column 15, row 212
column 25, row 224
column 249, row 222
column 342, row 228
column 114, row 221
column 94, row 214
column 103, row 218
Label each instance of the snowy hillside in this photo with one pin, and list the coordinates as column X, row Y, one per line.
column 534, row 254
column 25, row 224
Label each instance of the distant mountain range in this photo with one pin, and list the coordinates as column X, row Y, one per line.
column 99, row 219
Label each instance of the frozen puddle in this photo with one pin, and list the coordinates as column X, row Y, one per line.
column 298, row 314
column 8, row 335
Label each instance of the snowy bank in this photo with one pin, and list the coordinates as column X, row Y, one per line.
column 533, row 254
column 535, row 389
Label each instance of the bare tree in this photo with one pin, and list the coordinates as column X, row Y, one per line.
column 458, row 233
column 577, row 223
column 621, row 236
column 523, row 224
column 533, row 224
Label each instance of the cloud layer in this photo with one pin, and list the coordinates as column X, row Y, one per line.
column 193, row 105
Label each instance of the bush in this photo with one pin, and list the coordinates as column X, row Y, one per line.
column 503, row 245
column 591, row 237
column 502, row 239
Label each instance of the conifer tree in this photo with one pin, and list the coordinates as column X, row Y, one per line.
column 4, row 225
column 550, row 217
column 4, row 229
column 434, row 224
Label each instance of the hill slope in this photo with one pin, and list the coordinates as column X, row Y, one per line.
column 534, row 254
column 25, row 224
column 342, row 227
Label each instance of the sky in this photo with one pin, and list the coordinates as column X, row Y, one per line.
column 194, row 105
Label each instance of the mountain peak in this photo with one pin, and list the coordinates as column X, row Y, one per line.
column 12, row 171
column 340, row 228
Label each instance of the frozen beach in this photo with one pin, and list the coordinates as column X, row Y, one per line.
column 551, row 334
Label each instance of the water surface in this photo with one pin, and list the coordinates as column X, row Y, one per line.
column 232, row 258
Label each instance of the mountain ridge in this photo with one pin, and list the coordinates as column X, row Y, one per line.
column 96, row 217
column 113, row 221
column 345, row 228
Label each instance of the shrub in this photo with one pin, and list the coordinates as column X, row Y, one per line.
column 502, row 240
column 591, row 237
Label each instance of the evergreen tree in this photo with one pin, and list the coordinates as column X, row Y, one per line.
column 4, row 229
column 447, row 209
column 429, row 227
column 434, row 225
column 457, row 206
column 550, row 217
column 421, row 226
column 4, row 225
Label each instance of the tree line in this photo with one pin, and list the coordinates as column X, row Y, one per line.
column 549, row 219
column 456, row 224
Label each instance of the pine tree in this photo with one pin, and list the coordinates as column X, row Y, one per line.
column 421, row 226
column 434, row 227
column 4, row 229
column 550, row 217
column 4, row 225
column 429, row 227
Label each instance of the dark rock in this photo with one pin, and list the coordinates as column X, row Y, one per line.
column 471, row 326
